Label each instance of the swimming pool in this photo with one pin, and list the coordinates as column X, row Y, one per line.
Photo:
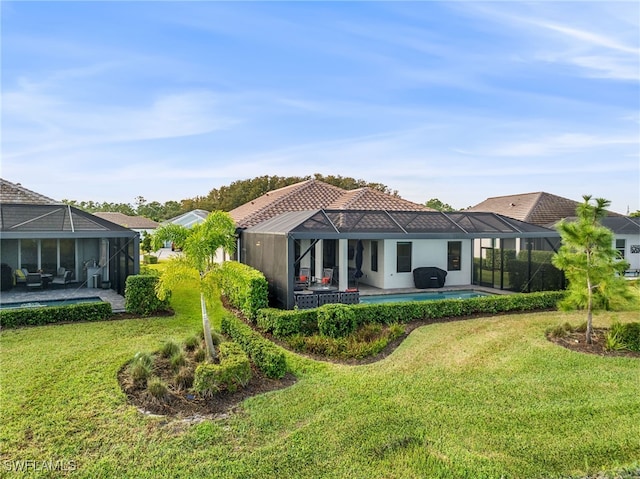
column 50, row 302
column 432, row 296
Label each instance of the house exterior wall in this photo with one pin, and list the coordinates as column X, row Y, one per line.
column 631, row 250
column 424, row 253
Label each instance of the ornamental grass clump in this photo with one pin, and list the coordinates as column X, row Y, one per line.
column 157, row 389
column 169, row 348
column 140, row 367
column 177, row 360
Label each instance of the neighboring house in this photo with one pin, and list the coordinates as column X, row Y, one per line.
column 188, row 219
column 545, row 209
column 39, row 233
column 318, row 226
column 140, row 224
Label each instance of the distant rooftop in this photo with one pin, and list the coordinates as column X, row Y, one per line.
column 133, row 222
column 15, row 193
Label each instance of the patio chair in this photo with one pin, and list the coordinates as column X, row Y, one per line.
column 304, row 278
column 34, row 280
column 21, row 276
column 327, row 276
column 64, row 279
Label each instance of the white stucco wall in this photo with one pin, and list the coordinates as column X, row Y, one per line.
column 424, row 253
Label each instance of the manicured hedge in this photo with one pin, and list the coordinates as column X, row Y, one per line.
column 98, row 311
column 267, row 357
column 140, row 295
column 287, row 323
column 244, row 288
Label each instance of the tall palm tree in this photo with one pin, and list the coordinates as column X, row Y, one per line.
column 201, row 247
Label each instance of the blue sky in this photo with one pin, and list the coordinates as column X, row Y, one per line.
column 460, row 101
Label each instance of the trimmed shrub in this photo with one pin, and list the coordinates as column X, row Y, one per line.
column 150, row 259
column 98, row 311
column 267, row 357
column 140, row 295
column 283, row 324
column 244, row 288
column 233, row 371
column 336, row 320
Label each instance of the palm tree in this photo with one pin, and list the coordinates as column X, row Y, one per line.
column 200, row 245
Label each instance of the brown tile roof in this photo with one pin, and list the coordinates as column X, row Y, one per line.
column 536, row 208
column 315, row 195
column 15, row 193
column 132, row 222
column 370, row 199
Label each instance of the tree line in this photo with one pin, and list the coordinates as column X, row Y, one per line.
column 225, row 198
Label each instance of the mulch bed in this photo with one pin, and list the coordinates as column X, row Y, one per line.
column 185, row 405
column 577, row 341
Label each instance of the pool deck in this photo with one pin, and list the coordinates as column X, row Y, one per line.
column 20, row 294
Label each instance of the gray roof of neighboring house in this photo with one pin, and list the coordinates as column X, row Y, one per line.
column 363, row 224
column 537, row 208
column 16, row 193
column 133, row 222
column 188, row 219
column 622, row 225
column 59, row 221
column 313, row 195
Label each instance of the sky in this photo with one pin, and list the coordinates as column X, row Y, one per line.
column 107, row 101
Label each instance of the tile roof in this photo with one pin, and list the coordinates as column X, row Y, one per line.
column 133, row 222
column 536, row 208
column 314, row 195
column 17, row 194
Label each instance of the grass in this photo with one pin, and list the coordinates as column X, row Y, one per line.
column 480, row 398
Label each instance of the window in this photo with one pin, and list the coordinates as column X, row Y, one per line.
column 403, row 256
column 454, row 252
column 374, row 256
column 621, row 246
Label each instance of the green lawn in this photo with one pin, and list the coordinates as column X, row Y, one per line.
column 480, row 398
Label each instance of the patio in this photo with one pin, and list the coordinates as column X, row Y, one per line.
column 19, row 295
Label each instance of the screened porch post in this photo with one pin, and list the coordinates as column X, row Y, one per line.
column 343, row 264
column 319, row 259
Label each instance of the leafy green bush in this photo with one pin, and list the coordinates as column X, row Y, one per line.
column 150, row 259
column 267, row 357
column 98, row 311
column 233, row 371
column 140, row 295
column 244, row 287
column 282, row 323
column 336, row 320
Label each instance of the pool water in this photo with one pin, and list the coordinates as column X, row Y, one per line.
column 394, row 298
column 50, row 302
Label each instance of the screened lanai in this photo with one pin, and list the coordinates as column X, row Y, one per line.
column 46, row 237
column 473, row 247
